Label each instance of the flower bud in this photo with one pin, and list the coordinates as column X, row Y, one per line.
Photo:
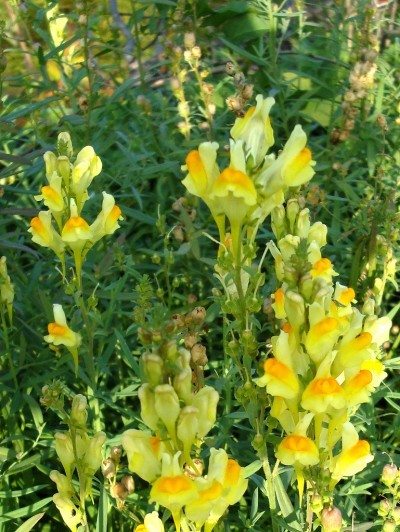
column 79, row 413
column 129, row 483
column 147, row 406
column 187, row 428
column 278, row 222
column 64, row 144
column 206, row 401
column 389, row 474
column 108, row 468
column 64, row 168
column 295, row 309
column 303, row 223
column 292, row 210
column 153, row 368
column 64, row 486
column 331, row 520
column 167, row 406
column 183, row 384
column 50, row 161
column 65, row 452
column 93, row 456
column 384, row 508
column 396, row 515
column 190, row 339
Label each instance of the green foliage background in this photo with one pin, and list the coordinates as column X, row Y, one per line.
column 117, row 97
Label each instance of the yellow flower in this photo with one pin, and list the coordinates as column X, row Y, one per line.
column 354, row 457
column 279, row 379
column 44, row 234
column 358, row 388
column 152, row 523
column 205, row 400
column 377, row 370
column 106, row 222
column 255, row 130
column 344, row 295
column 294, row 165
column 235, row 194
column 144, row 453
column 202, row 170
column 173, row 489
column 224, row 485
column 147, row 407
column 323, row 393
column 353, row 353
column 296, row 449
column 279, row 304
column 76, row 231
column 61, row 334
column 321, row 338
column 52, row 195
column 322, row 269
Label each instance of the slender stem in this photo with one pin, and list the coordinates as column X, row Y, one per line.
column 7, row 346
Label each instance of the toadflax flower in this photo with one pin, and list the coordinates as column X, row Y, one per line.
column 61, row 334
column 44, row 234
column 255, row 129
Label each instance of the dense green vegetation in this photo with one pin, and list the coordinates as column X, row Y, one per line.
column 144, row 83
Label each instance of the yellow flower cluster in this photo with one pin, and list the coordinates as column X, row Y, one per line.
column 254, row 182
column 179, row 419
column 76, row 451
column 64, row 196
column 324, row 361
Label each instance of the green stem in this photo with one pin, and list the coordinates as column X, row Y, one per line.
column 270, row 489
column 7, row 346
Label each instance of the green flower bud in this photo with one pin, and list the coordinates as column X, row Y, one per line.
column 65, row 452
column 167, row 406
column 93, row 456
column 295, row 309
column 183, row 384
column 79, row 413
column 303, row 224
column 50, row 161
column 187, row 428
column 278, row 221
column 64, row 144
column 292, row 210
column 147, row 407
column 384, row 508
column 64, row 168
column 153, row 368
column 64, row 486
column 206, row 401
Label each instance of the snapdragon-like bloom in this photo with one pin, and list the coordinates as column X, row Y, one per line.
column 279, row 379
column 202, row 169
column 61, row 334
column 294, row 165
column 106, row 222
column 255, row 129
column 354, row 457
column 44, row 234
column 76, row 231
column 144, row 453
